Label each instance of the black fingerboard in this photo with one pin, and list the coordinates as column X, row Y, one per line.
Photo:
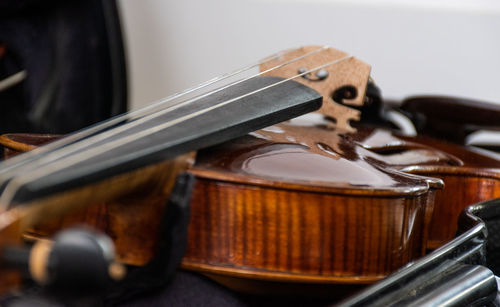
column 256, row 103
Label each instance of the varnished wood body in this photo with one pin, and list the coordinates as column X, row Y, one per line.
column 249, row 230
column 293, row 235
column 475, row 179
column 309, row 231
column 460, row 191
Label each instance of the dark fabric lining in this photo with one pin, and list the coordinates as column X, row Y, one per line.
column 64, row 48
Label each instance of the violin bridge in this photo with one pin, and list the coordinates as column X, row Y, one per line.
column 339, row 77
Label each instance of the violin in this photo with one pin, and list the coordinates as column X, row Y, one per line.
column 477, row 178
column 309, row 202
column 317, row 203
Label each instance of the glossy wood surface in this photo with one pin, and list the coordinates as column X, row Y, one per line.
column 296, row 236
column 331, row 193
column 475, row 179
column 301, row 202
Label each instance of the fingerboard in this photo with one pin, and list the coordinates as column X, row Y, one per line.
column 251, row 105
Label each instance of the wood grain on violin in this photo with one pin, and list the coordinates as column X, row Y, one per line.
column 302, row 202
column 472, row 177
column 298, row 202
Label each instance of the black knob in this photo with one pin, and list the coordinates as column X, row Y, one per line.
column 78, row 258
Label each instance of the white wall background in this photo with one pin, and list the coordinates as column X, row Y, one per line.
column 414, row 47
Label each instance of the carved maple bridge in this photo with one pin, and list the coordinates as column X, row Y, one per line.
column 347, row 72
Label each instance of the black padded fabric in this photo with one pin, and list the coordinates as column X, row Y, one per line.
column 74, row 60
column 190, row 289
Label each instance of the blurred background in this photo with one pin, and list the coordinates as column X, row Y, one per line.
column 414, row 46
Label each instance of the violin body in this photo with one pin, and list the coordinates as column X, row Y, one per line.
column 473, row 178
column 303, row 205
column 477, row 177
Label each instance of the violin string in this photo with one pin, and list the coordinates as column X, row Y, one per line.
column 102, row 136
column 17, row 182
column 71, row 138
